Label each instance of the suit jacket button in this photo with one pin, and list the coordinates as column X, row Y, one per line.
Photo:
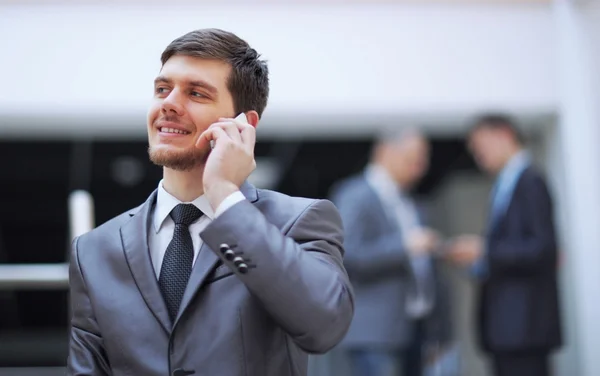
column 243, row 268
column 224, row 248
column 229, row 254
column 238, row 260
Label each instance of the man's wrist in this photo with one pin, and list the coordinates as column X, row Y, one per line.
column 229, row 201
column 216, row 193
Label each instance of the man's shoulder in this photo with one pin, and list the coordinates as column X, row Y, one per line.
column 354, row 190
column 532, row 184
column 286, row 207
column 110, row 228
column 285, row 211
column 282, row 201
column 533, row 175
column 351, row 185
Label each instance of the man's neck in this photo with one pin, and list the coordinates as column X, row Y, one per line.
column 403, row 186
column 510, row 156
column 186, row 186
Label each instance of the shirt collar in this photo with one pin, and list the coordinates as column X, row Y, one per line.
column 382, row 180
column 165, row 203
column 517, row 163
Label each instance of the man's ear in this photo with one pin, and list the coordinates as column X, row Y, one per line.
column 253, row 118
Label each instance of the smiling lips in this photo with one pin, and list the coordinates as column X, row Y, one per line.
column 172, row 130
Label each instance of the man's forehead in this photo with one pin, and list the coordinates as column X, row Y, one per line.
column 481, row 133
column 188, row 69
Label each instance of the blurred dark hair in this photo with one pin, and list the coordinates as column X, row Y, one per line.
column 497, row 121
column 248, row 82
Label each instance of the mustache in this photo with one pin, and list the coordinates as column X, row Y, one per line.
column 170, row 118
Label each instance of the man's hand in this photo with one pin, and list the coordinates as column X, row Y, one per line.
column 422, row 241
column 231, row 160
column 465, row 249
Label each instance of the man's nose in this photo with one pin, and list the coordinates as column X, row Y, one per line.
column 172, row 103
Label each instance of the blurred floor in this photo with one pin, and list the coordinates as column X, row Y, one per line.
column 56, row 371
column 33, row 348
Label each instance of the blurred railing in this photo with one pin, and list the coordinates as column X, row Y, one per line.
column 51, row 276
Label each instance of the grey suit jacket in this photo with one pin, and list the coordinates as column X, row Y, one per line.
column 381, row 274
column 294, row 299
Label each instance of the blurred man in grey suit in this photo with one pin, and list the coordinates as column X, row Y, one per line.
column 399, row 302
column 210, row 276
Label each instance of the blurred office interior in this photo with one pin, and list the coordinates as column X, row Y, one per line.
column 78, row 78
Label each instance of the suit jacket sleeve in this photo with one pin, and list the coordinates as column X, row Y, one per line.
column 298, row 276
column 534, row 249
column 86, row 351
column 438, row 324
column 367, row 257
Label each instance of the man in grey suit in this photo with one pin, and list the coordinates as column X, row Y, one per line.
column 399, row 302
column 210, row 276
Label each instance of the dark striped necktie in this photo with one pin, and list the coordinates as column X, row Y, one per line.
column 177, row 263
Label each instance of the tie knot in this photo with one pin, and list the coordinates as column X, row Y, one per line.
column 185, row 214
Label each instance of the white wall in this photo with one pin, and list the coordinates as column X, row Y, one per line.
column 67, row 68
column 577, row 140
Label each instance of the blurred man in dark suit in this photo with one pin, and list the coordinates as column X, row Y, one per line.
column 516, row 262
column 399, row 301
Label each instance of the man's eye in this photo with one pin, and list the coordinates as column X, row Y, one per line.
column 160, row 90
column 197, row 94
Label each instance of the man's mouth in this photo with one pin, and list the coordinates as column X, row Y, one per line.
column 172, row 130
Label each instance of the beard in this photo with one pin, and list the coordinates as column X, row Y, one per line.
column 179, row 160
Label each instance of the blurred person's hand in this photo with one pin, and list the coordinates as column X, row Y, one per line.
column 422, row 241
column 465, row 249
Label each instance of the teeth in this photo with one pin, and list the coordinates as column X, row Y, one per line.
column 172, row 130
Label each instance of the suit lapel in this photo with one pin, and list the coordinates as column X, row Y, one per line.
column 389, row 212
column 205, row 263
column 134, row 235
column 498, row 218
column 207, row 260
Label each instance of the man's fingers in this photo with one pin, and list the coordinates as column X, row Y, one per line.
column 232, row 131
column 238, row 123
column 248, row 135
column 203, row 141
column 211, row 134
column 237, row 131
column 247, row 132
column 230, row 127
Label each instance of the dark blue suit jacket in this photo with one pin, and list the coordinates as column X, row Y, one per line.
column 519, row 305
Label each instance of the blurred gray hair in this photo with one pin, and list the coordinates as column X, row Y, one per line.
column 396, row 135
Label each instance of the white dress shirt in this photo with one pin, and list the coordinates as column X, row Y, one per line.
column 163, row 227
column 399, row 207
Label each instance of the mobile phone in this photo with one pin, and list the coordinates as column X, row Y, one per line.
column 241, row 117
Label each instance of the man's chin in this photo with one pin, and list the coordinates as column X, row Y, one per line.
column 177, row 160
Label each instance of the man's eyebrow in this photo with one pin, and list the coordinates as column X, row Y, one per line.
column 203, row 84
column 162, row 79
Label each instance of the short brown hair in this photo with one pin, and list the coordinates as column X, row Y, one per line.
column 248, row 82
column 498, row 121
